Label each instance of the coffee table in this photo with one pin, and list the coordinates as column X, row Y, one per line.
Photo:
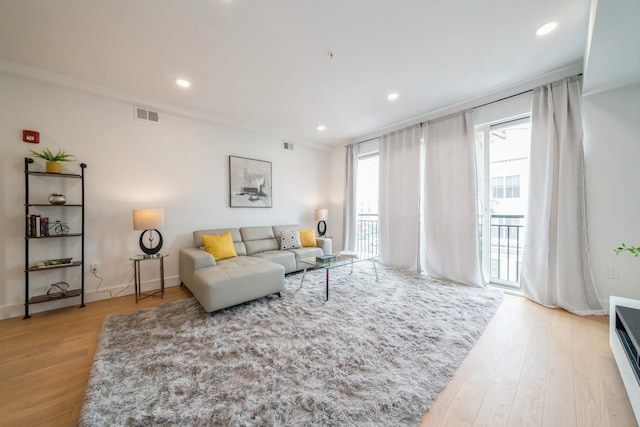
column 341, row 259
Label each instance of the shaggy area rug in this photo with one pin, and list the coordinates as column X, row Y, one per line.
column 376, row 353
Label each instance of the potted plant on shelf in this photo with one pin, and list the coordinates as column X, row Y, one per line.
column 53, row 164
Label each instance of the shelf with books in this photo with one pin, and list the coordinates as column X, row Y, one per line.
column 38, row 226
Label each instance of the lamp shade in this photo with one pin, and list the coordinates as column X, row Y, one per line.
column 149, row 219
column 321, row 214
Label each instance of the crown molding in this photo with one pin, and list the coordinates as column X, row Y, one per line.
column 55, row 79
column 529, row 84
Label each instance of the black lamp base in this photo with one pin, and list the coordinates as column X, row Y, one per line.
column 154, row 249
column 322, row 228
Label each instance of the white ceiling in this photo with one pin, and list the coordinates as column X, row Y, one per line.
column 264, row 64
column 613, row 50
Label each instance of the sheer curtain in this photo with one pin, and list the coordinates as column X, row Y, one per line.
column 451, row 247
column 399, row 198
column 350, row 211
column 555, row 270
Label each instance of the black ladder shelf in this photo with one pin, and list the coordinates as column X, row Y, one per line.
column 28, row 270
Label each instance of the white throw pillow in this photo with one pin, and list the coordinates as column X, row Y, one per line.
column 290, row 239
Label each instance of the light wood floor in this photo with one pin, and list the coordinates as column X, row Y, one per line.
column 536, row 366
column 532, row 367
column 45, row 361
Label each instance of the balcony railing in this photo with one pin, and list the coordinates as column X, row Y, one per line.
column 507, row 242
column 367, row 235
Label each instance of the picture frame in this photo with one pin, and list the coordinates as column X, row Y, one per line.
column 250, row 183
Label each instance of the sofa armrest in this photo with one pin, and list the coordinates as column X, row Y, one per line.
column 324, row 243
column 192, row 259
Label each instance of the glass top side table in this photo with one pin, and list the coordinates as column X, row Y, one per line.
column 136, row 275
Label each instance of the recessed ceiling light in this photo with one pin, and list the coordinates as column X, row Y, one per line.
column 321, row 128
column 546, row 28
column 392, row 96
column 183, row 83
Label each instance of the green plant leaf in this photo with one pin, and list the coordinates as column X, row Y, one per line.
column 633, row 250
column 47, row 154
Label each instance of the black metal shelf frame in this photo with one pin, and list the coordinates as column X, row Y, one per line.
column 55, row 236
column 28, row 270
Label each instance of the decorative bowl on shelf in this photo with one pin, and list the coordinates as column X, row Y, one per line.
column 57, row 199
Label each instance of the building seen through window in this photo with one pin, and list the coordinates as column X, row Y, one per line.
column 503, row 162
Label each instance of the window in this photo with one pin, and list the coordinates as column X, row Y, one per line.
column 497, row 187
column 503, row 174
column 512, row 190
column 367, row 224
column 505, row 187
column 368, row 184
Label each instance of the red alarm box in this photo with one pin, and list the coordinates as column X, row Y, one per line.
column 31, row 136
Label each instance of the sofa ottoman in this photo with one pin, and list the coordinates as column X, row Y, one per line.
column 235, row 281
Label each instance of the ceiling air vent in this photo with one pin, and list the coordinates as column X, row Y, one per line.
column 287, row 145
column 147, row 115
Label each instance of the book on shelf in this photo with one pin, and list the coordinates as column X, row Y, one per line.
column 44, row 226
column 38, row 225
column 34, row 225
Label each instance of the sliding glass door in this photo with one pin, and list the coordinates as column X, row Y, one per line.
column 367, row 224
column 503, row 178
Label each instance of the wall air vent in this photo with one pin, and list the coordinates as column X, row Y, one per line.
column 147, row 115
column 287, row 145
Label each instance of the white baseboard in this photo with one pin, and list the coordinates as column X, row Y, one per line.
column 17, row 310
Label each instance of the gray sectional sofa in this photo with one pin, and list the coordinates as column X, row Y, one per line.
column 257, row 271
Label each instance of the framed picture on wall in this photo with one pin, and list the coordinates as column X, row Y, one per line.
column 250, row 184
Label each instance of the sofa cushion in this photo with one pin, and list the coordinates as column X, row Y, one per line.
column 324, row 243
column 286, row 259
column 238, row 244
column 308, row 238
column 221, row 247
column 236, row 280
column 306, row 252
column 256, row 233
column 290, row 239
column 278, row 228
column 258, row 239
column 257, row 246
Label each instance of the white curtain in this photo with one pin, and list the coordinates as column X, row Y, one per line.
column 350, row 198
column 555, row 270
column 399, row 197
column 450, row 248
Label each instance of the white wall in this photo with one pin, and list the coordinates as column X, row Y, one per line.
column 180, row 164
column 611, row 122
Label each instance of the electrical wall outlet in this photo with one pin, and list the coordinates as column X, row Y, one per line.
column 95, row 267
column 613, row 273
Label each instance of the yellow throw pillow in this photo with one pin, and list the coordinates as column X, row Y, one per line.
column 220, row 247
column 308, row 238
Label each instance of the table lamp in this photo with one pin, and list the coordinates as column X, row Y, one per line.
column 150, row 220
column 321, row 215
